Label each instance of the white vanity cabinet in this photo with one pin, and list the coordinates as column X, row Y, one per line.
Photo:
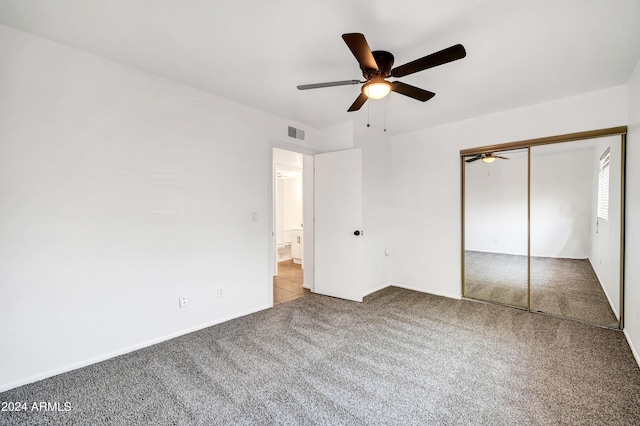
column 296, row 245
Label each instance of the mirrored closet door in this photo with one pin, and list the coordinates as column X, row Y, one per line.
column 495, row 224
column 575, row 229
column 542, row 225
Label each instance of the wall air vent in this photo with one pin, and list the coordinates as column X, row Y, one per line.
column 296, row 133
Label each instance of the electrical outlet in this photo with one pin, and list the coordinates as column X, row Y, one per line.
column 183, row 301
column 220, row 291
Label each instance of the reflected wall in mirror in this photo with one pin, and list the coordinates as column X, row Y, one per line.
column 495, row 221
column 575, row 229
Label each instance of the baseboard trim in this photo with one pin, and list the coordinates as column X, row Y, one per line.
column 421, row 290
column 634, row 352
column 376, row 289
column 94, row 360
column 604, row 290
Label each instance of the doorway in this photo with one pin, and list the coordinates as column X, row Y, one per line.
column 292, row 211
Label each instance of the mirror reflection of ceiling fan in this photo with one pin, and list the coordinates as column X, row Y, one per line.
column 488, row 157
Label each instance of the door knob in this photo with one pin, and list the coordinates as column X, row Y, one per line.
column 357, row 232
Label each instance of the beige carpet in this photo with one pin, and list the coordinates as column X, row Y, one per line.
column 500, row 278
column 564, row 287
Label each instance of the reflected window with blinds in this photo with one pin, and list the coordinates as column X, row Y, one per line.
column 603, row 185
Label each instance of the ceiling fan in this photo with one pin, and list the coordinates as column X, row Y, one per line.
column 489, row 157
column 376, row 68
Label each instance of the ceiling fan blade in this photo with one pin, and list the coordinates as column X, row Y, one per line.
column 411, row 91
column 360, row 49
column 328, row 84
column 358, row 103
column 472, row 159
column 497, row 156
column 449, row 54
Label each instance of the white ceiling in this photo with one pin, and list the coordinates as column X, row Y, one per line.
column 257, row 51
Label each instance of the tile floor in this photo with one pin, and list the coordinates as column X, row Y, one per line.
column 287, row 286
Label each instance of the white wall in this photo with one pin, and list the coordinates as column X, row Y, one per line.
column 425, row 218
column 293, row 203
column 561, row 199
column 375, row 206
column 116, row 198
column 496, row 205
column 336, row 138
column 632, row 218
column 604, row 254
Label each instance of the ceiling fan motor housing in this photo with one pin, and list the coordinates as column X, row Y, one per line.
column 384, row 60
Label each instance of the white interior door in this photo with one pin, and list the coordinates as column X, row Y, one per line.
column 307, row 220
column 338, row 215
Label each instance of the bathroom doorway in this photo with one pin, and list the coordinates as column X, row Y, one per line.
column 292, row 209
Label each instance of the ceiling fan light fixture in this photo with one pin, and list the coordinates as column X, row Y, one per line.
column 489, row 158
column 377, row 89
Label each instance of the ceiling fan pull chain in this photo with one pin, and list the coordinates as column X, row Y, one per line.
column 384, row 114
column 368, row 109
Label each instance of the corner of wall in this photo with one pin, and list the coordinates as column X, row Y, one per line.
column 336, row 138
column 632, row 224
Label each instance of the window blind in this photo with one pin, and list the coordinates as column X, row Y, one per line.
column 603, row 185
